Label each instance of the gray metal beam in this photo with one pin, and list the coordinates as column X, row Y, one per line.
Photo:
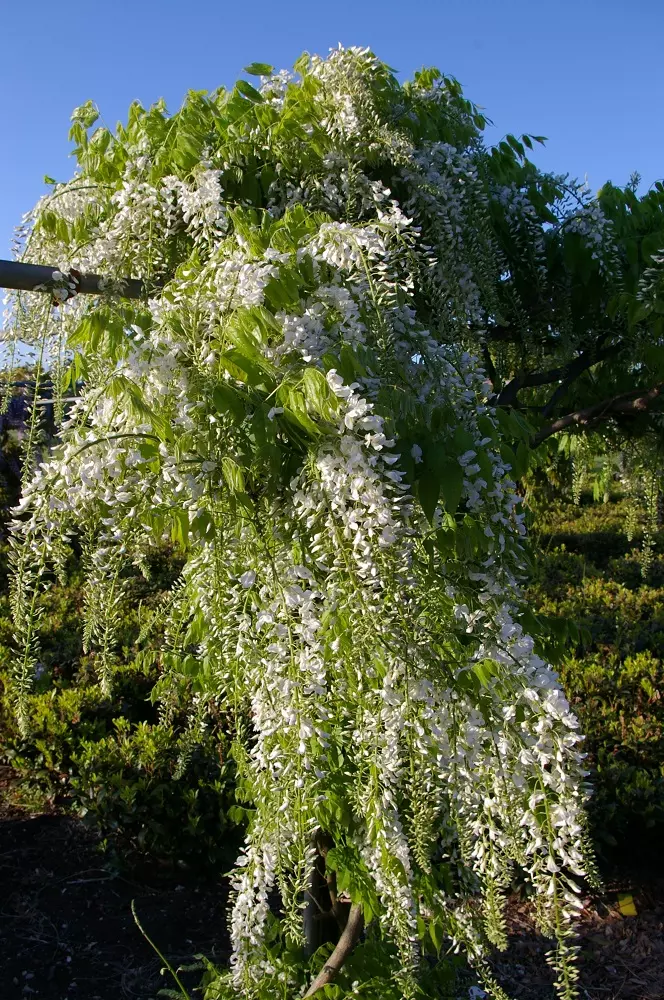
column 25, row 277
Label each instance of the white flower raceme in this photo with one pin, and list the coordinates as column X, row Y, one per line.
column 294, row 406
column 240, row 282
column 595, row 230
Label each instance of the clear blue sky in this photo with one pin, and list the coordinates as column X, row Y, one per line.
column 588, row 74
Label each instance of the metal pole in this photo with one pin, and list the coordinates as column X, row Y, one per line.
column 25, row 277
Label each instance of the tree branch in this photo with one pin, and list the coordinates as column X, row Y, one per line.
column 345, row 945
column 568, row 372
column 526, row 380
column 488, row 363
column 339, row 910
column 577, row 367
column 630, row 403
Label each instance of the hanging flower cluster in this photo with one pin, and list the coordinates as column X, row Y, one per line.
column 297, row 405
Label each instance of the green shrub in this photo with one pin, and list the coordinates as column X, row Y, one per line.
column 156, row 791
column 162, row 791
column 589, row 573
column 63, row 717
column 159, row 789
column 621, row 709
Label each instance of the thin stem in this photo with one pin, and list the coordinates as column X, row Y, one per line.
column 161, row 956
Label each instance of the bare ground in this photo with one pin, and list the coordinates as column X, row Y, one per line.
column 67, row 930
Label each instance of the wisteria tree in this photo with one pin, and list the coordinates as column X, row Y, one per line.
column 358, row 322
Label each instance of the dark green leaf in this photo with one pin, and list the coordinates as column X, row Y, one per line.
column 428, row 491
column 451, row 484
column 249, row 92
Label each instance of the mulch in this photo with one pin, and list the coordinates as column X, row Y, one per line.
column 67, row 930
column 621, row 957
column 66, row 927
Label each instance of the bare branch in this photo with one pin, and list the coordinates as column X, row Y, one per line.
column 567, row 373
column 345, row 945
column 629, row 403
column 526, row 380
column 38, row 277
column 577, row 367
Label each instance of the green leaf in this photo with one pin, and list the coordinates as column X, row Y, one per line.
column 463, row 440
column 233, row 474
column 249, row 92
column 428, row 491
column 522, row 459
column 451, row 483
column 226, row 400
column 652, row 246
column 519, row 426
column 302, row 420
column 301, row 65
column 436, row 935
column 179, row 526
column 258, row 69
column 350, row 364
column 203, row 525
column 508, row 456
column 317, row 393
column 516, row 145
column 484, row 671
column 353, row 878
column 245, row 369
column 85, row 115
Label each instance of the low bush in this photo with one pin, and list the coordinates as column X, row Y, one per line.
column 154, row 790
column 64, row 718
column 151, row 787
column 588, row 572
